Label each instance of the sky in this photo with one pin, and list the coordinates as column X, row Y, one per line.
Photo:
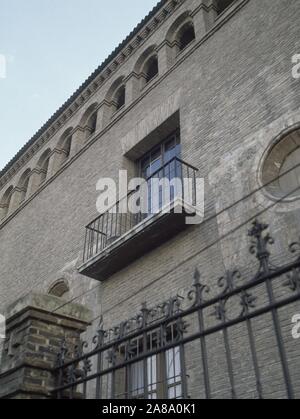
column 48, row 48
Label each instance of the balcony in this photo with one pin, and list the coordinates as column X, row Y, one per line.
column 118, row 237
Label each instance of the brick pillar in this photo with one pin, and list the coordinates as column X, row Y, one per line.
column 34, row 335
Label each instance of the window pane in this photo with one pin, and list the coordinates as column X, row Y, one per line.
column 156, row 165
column 177, row 365
column 171, row 393
column 152, row 377
column 173, row 365
column 178, row 392
column 170, row 150
column 137, row 379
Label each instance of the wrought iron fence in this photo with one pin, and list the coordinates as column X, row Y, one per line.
column 168, row 351
column 178, row 180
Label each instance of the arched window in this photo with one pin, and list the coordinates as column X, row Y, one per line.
column 23, row 185
column 119, row 99
column 290, row 178
column 44, row 169
column 281, row 168
column 92, row 124
column 186, row 35
column 88, row 122
column 65, row 144
column 147, row 66
column 67, row 147
column 115, row 97
column 5, row 203
column 43, row 165
column 222, row 5
column 59, row 288
column 151, row 68
column 180, row 34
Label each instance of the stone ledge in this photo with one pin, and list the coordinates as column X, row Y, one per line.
column 49, row 305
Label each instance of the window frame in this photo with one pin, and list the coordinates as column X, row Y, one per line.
column 160, row 387
column 177, row 137
column 164, row 383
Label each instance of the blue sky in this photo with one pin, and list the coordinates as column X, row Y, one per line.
column 50, row 48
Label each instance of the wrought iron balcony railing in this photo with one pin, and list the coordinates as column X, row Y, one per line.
column 173, row 183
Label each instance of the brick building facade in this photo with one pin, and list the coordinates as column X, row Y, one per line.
column 217, row 73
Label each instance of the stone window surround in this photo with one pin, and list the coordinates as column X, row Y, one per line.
column 219, row 22
column 273, row 192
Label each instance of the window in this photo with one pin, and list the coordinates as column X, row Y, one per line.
column 119, row 100
column 88, row 122
column 23, row 185
column 43, row 165
column 151, row 68
column 160, row 155
column 160, row 163
column 44, row 170
column 186, row 35
column 280, row 170
column 180, row 35
column 67, row 147
column 158, row 376
column 173, row 373
column 92, row 124
column 222, row 5
column 5, row 202
column 115, row 98
column 163, row 378
column 147, row 67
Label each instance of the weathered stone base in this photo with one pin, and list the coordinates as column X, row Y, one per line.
column 35, row 332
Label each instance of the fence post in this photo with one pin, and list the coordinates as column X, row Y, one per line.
column 34, row 334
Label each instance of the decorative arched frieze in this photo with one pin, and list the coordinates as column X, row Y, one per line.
column 63, row 150
column 20, row 193
column 147, row 66
column 115, row 99
column 43, row 169
column 89, row 120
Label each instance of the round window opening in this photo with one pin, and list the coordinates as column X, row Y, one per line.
column 281, row 168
